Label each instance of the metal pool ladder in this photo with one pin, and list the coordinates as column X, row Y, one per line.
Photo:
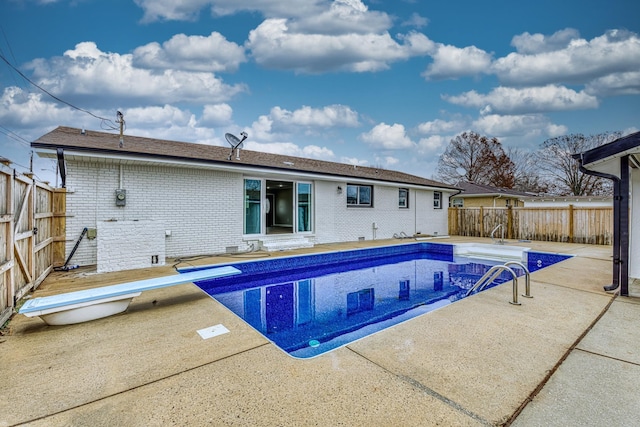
column 501, row 241
column 493, row 273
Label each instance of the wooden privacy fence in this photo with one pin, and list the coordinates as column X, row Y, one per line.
column 32, row 235
column 592, row 225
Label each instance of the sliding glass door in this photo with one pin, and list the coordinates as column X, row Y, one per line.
column 277, row 207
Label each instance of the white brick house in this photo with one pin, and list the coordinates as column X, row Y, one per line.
column 193, row 200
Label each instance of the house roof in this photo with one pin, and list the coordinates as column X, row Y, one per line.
column 605, row 158
column 471, row 189
column 89, row 143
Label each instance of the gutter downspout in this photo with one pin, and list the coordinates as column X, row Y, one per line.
column 453, row 195
column 61, row 167
column 617, row 208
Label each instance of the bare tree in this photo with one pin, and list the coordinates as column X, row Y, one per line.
column 561, row 172
column 526, row 176
column 475, row 158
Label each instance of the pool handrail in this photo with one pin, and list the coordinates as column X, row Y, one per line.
column 527, row 278
column 493, row 273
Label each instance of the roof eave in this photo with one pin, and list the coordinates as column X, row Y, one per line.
column 49, row 150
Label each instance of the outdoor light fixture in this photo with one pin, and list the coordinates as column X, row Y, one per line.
column 339, row 189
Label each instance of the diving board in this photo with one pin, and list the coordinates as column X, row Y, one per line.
column 91, row 304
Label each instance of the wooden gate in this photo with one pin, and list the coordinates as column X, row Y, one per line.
column 32, row 238
column 6, row 243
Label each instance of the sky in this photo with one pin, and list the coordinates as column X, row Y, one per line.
column 382, row 83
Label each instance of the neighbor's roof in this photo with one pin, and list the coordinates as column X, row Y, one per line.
column 91, row 142
column 471, row 189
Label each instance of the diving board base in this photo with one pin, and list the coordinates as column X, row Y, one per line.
column 86, row 311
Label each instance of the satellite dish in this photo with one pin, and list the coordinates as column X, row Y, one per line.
column 235, row 142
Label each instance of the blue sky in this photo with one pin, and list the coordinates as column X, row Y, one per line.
column 385, row 83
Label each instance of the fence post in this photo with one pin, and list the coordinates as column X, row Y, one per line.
column 481, row 219
column 509, row 222
column 570, row 223
column 59, row 225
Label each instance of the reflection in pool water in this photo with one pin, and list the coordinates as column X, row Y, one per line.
column 312, row 309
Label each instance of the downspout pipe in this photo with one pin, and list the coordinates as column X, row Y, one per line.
column 61, row 167
column 625, row 186
column 616, row 220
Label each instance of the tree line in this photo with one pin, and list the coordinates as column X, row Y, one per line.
column 550, row 169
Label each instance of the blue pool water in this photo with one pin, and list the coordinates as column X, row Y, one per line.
column 310, row 304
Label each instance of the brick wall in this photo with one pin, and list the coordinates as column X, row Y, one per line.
column 202, row 210
column 337, row 222
column 125, row 245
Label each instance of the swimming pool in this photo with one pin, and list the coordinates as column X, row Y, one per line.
column 310, row 304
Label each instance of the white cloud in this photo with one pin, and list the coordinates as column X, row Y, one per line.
column 439, row 126
column 192, row 53
column 96, row 75
column 157, row 116
column 188, row 10
column 526, row 43
column 217, row 114
column 22, row 109
column 526, row 125
column 188, row 132
column 353, row 161
column 450, row 62
column 391, row 161
column 392, row 137
column 615, row 84
column 343, row 17
column 274, row 45
column 326, row 117
column 508, row 100
column 580, row 61
column 416, row 21
column 261, row 129
column 291, row 149
column 432, row 144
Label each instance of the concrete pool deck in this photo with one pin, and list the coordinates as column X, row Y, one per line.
column 569, row 356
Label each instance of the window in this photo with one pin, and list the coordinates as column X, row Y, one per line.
column 437, row 200
column 252, row 210
column 359, row 195
column 304, row 207
column 457, row 203
column 403, row 198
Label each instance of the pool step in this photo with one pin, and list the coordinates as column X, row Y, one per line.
column 284, row 244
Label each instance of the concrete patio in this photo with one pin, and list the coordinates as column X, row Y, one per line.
column 569, row 356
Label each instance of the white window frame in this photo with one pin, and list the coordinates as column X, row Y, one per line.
column 358, row 203
column 437, row 200
column 406, row 198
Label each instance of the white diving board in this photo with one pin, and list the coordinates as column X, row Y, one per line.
column 90, row 304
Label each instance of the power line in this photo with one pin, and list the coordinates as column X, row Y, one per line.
column 104, row 120
column 14, row 136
